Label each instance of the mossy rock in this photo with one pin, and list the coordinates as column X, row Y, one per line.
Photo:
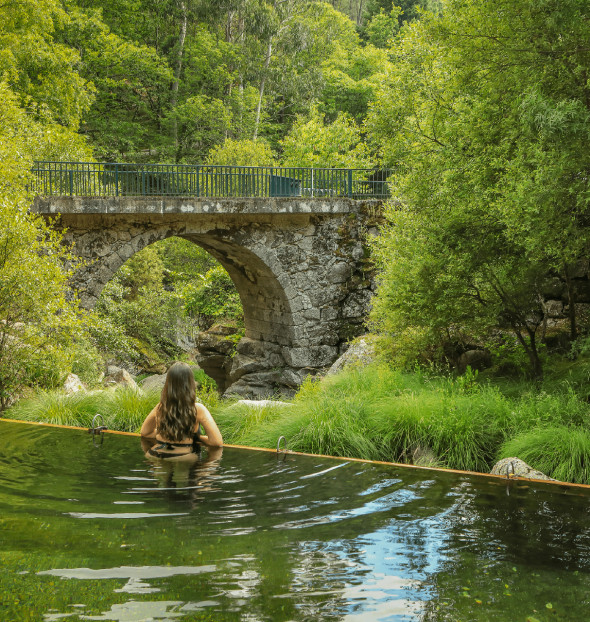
column 149, row 360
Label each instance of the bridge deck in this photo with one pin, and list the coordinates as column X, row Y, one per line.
column 96, row 179
column 184, row 206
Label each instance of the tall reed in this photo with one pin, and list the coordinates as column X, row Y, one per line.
column 376, row 412
column 562, row 452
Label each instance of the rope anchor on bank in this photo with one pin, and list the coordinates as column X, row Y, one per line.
column 97, row 429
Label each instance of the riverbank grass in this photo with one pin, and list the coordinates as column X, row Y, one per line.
column 123, row 408
column 379, row 413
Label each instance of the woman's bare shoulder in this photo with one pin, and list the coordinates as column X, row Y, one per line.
column 201, row 409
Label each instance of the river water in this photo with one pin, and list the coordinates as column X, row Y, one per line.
column 101, row 533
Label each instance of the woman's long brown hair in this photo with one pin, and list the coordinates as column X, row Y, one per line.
column 176, row 416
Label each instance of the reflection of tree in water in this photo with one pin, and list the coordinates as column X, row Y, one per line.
column 512, row 548
column 315, row 561
column 300, row 540
column 296, row 541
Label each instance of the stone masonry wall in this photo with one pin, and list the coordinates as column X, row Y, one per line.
column 301, row 271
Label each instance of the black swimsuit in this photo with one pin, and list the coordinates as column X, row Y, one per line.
column 165, row 449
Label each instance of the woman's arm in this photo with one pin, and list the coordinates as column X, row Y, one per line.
column 212, row 435
column 148, row 428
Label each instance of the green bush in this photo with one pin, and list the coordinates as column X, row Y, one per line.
column 87, row 362
column 255, row 426
column 561, row 452
column 214, row 298
column 57, row 408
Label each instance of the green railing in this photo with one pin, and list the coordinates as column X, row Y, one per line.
column 179, row 180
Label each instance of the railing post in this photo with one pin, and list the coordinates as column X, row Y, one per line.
column 198, row 190
column 71, row 182
column 270, row 186
column 350, row 182
column 116, row 180
column 143, row 183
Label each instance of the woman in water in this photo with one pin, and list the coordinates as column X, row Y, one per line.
column 175, row 423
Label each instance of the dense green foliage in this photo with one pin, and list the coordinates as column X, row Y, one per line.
column 42, row 99
column 168, row 291
column 486, row 113
column 172, row 80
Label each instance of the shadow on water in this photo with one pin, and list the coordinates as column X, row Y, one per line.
column 103, row 533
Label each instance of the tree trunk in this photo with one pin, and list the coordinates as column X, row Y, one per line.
column 530, row 348
column 178, row 70
column 536, row 365
column 261, row 90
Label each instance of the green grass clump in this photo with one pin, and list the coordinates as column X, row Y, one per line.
column 561, row 452
column 254, row 425
column 460, row 430
column 125, row 408
column 57, row 408
column 122, row 408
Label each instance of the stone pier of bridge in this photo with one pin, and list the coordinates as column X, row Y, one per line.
column 300, row 266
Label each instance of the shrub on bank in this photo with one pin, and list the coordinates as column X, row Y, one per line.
column 123, row 408
column 383, row 414
column 377, row 413
column 562, row 452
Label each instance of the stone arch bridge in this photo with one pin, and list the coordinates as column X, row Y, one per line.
column 299, row 264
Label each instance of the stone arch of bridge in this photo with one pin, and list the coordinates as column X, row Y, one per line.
column 267, row 312
column 268, row 317
column 299, row 268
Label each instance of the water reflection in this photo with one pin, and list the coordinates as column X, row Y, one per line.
column 246, row 537
column 137, row 611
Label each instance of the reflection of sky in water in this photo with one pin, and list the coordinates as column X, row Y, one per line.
column 377, row 575
column 322, row 540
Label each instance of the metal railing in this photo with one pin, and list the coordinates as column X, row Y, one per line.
column 179, row 180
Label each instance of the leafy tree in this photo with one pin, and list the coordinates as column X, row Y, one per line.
column 124, row 122
column 214, row 298
column 484, row 111
column 314, row 143
column 382, row 27
column 144, row 272
column 40, row 71
column 183, row 260
column 242, row 153
column 352, row 78
column 38, row 321
column 403, row 11
column 202, row 123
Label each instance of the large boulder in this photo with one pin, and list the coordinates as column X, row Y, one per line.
column 360, row 352
column 519, row 468
column 156, row 382
column 73, row 384
column 119, row 377
column 153, row 383
column 214, row 351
